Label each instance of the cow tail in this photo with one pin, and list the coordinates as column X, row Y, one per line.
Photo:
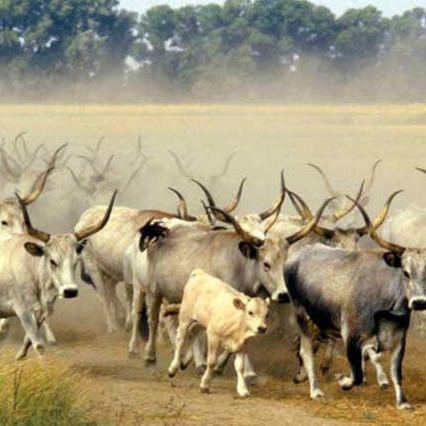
column 143, row 325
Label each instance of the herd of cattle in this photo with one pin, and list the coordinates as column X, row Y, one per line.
column 202, row 276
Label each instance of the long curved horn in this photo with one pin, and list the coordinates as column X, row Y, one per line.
column 234, row 203
column 90, row 161
column 40, row 235
column 420, row 169
column 7, row 168
column 305, row 211
column 330, row 189
column 182, row 207
column 225, row 168
column 107, row 165
column 79, row 184
column 238, row 228
column 372, row 231
column 307, row 215
column 370, row 179
column 348, row 208
column 380, row 218
column 15, row 145
column 56, row 154
column 269, row 222
column 133, row 176
column 296, row 205
column 278, row 203
column 38, row 187
column 179, row 164
column 310, row 226
column 90, row 230
column 210, row 200
column 210, row 218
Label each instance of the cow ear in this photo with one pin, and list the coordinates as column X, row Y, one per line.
column 80, row 246
column 239, row 304
column 392, row 259
column 34, row 249
column 248, row 250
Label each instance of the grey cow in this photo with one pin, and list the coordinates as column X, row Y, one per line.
column 357, row 295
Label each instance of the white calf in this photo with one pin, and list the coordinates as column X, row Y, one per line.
column 229, row 317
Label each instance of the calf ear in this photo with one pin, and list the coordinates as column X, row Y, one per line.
column 239, row 304
column 392, row 259
column 268, row 301
column 34, row 249
column 248, row 250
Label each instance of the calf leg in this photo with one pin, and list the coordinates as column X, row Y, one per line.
column 354, row 354
column 397, row 357
column 239, row 364
column 307, row 355
column 222, row 361
column 138, row 300
column 128, row 290
column 153, row 302
column 181, row 335
column 198, row 348
column 370, row 353
column 213, row 346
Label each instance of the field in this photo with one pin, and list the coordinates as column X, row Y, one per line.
column 344, row 139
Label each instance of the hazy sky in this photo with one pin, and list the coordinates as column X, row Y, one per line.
column 389, row 7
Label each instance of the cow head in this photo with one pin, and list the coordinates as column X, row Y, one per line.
column 255, row 310
column 411, row 262
column 59, row 254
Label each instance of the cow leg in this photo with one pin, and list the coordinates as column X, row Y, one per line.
column 213, row 346
column 370, row 353
column 153, row 302
column 115, row 303
column 23, row 350
column 4, row 327
column 239, row 364
column 128, row 290
column 307, row 355
column 354, row 354
column 50, row 337
column 328, row 356
column 181, row 336
column 138, row 300
column 396, row 369
column 31, row 328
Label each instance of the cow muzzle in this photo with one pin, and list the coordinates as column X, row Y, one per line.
column 261, row 329
column 69, row 293
column 417, row 303
column 282, row 298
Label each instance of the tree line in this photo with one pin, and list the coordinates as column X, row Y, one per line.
column 272, row 50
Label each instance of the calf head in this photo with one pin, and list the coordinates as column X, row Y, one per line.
column 255, row 311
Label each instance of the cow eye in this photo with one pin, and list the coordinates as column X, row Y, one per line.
column 53, row 264
column 4, row 223
column 406, row 274
column 250, row 313
column 267, row 266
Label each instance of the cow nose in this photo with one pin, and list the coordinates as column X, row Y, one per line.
column 283, row 298
column 418, row 304
column 69, row 293
column 261, row 329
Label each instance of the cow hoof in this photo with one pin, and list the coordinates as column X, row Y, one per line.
column 204, row 390
column 299, row 378
column 184, row 365
column 251, row 379
column 200, row 370
column 384, row 385
column 171, row 374
column 317, row 393
column 346, row 383
column 20, row 356
column 405, row 406
column 150, row 362
column 324, row 368
column 244, row 394
column 133, row 355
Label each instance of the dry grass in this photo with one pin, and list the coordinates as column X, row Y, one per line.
column 40, row 392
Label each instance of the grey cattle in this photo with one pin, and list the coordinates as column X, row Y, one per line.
column 163, row 269
column 357, row 295
column 37, row 268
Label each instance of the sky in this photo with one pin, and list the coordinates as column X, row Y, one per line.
column 388, row 7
